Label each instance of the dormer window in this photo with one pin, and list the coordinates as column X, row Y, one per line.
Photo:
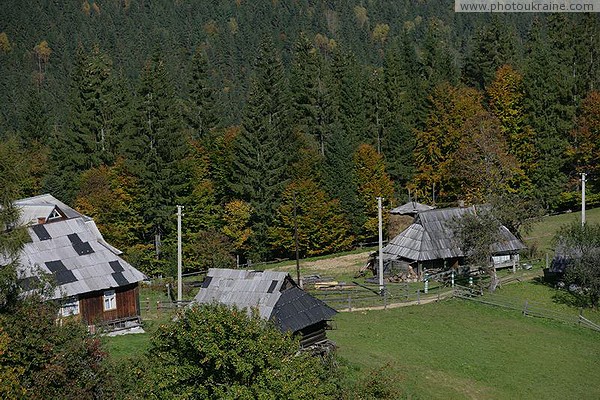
column 54, row 215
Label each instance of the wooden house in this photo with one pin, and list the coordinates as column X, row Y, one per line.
column 276, row 297
column 91, row 281
column 429, row 243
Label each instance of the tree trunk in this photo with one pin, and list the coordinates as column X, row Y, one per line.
column 495, row 281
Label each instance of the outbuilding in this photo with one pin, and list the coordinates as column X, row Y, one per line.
column 275, row 296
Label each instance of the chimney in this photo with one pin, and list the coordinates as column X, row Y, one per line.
column 41, row 220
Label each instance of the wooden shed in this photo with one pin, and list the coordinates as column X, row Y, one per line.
column 276, row 297
column 92, row 282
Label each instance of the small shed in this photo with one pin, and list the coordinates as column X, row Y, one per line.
column 429, row 243
column 92, row 282
column 276, row 297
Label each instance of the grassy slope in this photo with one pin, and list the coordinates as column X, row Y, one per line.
column 543, row 232
column 456, row 350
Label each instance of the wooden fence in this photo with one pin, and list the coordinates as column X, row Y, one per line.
column 366, row 296
column 526, row 307
column 155, row 309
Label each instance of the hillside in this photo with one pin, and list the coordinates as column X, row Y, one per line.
column 247, row 113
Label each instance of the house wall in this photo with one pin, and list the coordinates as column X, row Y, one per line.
column 92, row 305
column 312, row 334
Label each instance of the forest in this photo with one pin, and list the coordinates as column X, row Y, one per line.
column 250, row 112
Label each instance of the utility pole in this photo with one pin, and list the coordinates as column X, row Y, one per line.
column 296, row 243
column 381, row 288
column 179, row 283
column 583, row 199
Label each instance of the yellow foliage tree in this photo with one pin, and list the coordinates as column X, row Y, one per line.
column 380, row 33
column 237, row 223
column 322, row 227
column 373, row 182
column 5, row 46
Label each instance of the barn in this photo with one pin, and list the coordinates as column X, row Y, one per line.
column 91, row 281
column 276, row 297
column 429, row 243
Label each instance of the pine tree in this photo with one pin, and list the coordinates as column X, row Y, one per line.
column 260, row 157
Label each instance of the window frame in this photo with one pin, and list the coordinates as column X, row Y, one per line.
column 109, row 297
column 70, row 306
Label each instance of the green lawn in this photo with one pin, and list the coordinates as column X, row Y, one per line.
column 543, row 232
column 460, row 350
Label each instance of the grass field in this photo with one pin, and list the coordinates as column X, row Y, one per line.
column 452, row 349
column 460, row 350
column 543, row 232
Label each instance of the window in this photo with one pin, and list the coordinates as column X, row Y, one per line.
column 110, row 300
column 54, row 215
column 70, row 306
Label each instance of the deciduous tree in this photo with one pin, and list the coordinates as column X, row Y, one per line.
column 211, row 351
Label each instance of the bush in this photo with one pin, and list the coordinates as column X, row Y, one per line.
column 211, row 351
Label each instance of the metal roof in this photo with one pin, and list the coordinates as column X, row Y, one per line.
column 273, row 293
column 430, row 237
column 412, row 207
column 75, row 254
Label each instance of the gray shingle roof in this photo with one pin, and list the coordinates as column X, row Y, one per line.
column 412, row 207
column 430, row 238
column 273, row 293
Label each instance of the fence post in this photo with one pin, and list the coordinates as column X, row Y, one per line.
column 349, row 302
column 148, row 305
column 384, row 299
column 525, row 308
column 406, row 293
column 418, row 297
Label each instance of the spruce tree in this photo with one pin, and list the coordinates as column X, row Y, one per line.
column 350, row 94
column 549, row 104
column 400, row 117
column 259, row 171
column 314, row 109
column 155, row 149
column 202, row 114
column 493, row 47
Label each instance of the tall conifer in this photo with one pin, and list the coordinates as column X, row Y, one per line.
column 259, row 170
